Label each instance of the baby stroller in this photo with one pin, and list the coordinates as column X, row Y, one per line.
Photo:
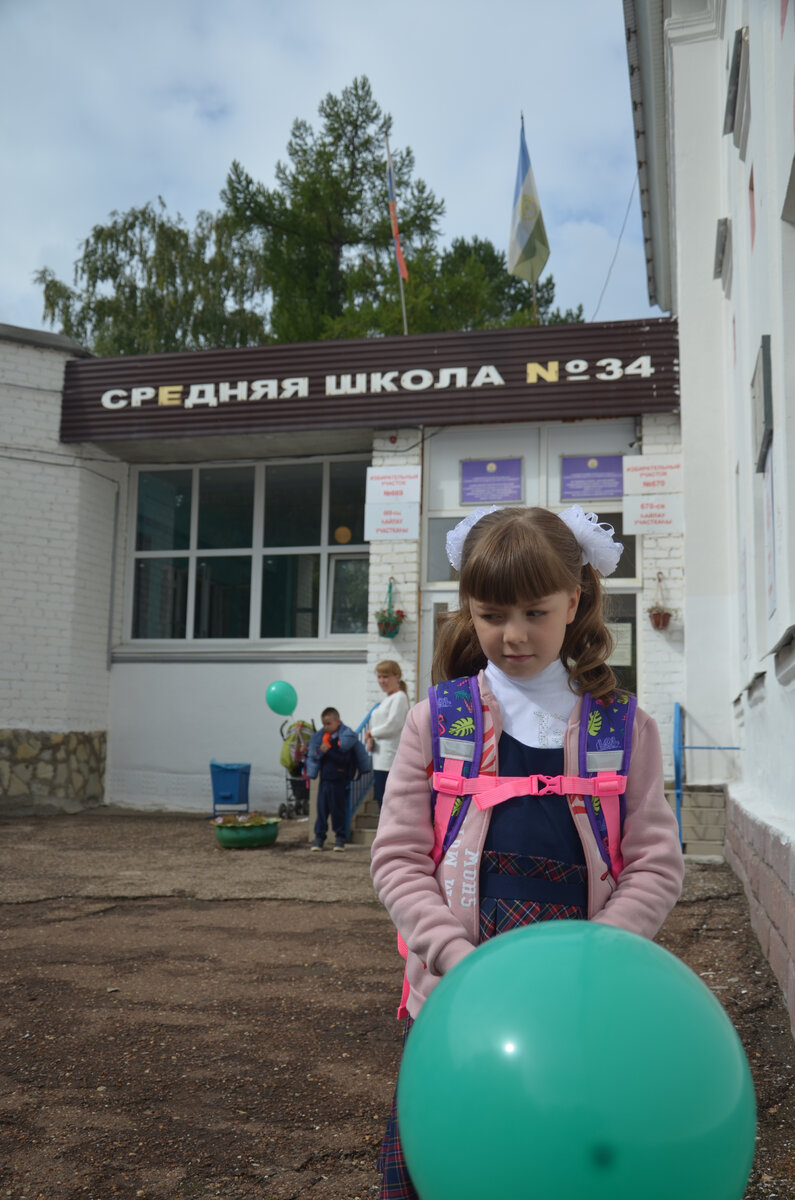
column 295, row 743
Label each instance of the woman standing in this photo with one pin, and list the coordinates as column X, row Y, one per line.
column 386, row 723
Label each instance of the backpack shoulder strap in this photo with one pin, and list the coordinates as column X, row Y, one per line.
column 457, row 742
column 606, row 745
column 456, row 719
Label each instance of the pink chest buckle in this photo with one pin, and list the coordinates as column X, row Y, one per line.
column 488, row 790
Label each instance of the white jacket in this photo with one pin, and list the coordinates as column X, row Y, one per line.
column 386, row 726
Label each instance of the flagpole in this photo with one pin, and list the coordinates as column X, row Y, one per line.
column 400, row 277
column 403, row 305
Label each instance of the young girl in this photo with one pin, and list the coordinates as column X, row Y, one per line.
column 386, row 723
column 530, row 625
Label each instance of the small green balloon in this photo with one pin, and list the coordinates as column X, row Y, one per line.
column 574, row 1061
column 281, row 697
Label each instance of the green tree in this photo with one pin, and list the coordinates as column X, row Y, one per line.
column 501, row 299
column 324, row 232
column 311, row 258
column 465, row 286
column 146, row 283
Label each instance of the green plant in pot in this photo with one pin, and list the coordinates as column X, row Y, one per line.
column 388, row 618
column 660, row 612
column 659, row 617
column 245, row 831
column 389, row 621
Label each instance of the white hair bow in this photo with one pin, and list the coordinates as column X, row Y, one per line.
column 454, row 542
column 595, row 539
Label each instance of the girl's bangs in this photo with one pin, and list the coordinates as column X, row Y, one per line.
column 513, row 566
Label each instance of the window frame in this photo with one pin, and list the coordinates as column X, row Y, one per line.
column 327, row 550
column 737, row 114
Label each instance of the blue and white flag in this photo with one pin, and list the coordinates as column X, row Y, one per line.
column 528, row 248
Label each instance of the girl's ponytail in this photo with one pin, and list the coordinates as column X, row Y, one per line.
column 457, row 651
column 588, row 642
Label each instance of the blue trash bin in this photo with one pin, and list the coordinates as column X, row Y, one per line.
column 230, row 786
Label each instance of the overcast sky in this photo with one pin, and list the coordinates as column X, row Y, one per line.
column 107, row 104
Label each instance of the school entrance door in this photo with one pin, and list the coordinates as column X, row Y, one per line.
column 435, row 603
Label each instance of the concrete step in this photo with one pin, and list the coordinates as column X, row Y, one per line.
column 362, row 837
column 704, row 849
column 703, row 815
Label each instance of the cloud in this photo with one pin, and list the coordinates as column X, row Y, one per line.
column 116, row 104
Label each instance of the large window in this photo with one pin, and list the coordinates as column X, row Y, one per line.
column 269, row 551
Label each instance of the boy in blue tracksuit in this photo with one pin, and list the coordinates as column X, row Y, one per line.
column 330, row 756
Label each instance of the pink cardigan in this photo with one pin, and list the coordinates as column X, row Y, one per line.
column 436, row 909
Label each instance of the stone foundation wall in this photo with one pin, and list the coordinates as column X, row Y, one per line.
column 51, row 772
column 763, row 859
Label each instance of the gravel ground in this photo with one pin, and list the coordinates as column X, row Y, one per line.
column 184, row 1021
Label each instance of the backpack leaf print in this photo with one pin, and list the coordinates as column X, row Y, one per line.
column 594, row 722
column 463, row 727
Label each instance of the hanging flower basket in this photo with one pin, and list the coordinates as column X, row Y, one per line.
column 659, row 612
column 659, row 617
column 389, row 619
column 387, row 627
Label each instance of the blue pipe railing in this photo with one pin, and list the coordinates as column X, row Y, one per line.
column 359, row 788
column 679, row 763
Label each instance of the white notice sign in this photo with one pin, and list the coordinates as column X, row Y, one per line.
column 393, row 485
column 622, row 637
column 391, row 522
column 652, row 473
column 656, row 514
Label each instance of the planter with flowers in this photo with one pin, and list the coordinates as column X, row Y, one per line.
column 660, row 617
column 389, row 619
column 245, row 831
column 659, row 612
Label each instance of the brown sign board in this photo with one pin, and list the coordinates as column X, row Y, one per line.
column 537, row 373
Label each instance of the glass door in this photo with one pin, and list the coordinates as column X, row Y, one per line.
column 433, row 606
column 621, row 612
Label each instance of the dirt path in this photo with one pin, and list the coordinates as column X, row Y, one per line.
column 184, row 1021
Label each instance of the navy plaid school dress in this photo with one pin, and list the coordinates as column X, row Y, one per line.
column 542, row 877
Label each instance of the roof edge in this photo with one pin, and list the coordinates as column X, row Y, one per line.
column 43, row 340
column 644, row 26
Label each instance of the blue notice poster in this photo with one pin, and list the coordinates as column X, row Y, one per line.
column 592, row 477
column 490, row 480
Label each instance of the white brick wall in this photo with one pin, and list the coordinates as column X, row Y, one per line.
column 661, row 652
column 401, row 562
column 56, row 536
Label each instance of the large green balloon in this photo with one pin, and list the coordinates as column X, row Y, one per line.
column 574, row 1061
column 281, row 697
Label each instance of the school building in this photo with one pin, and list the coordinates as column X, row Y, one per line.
column 179, row 531
column 712, row 85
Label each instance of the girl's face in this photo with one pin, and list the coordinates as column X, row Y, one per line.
column 523, row 639
column 388, row 683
